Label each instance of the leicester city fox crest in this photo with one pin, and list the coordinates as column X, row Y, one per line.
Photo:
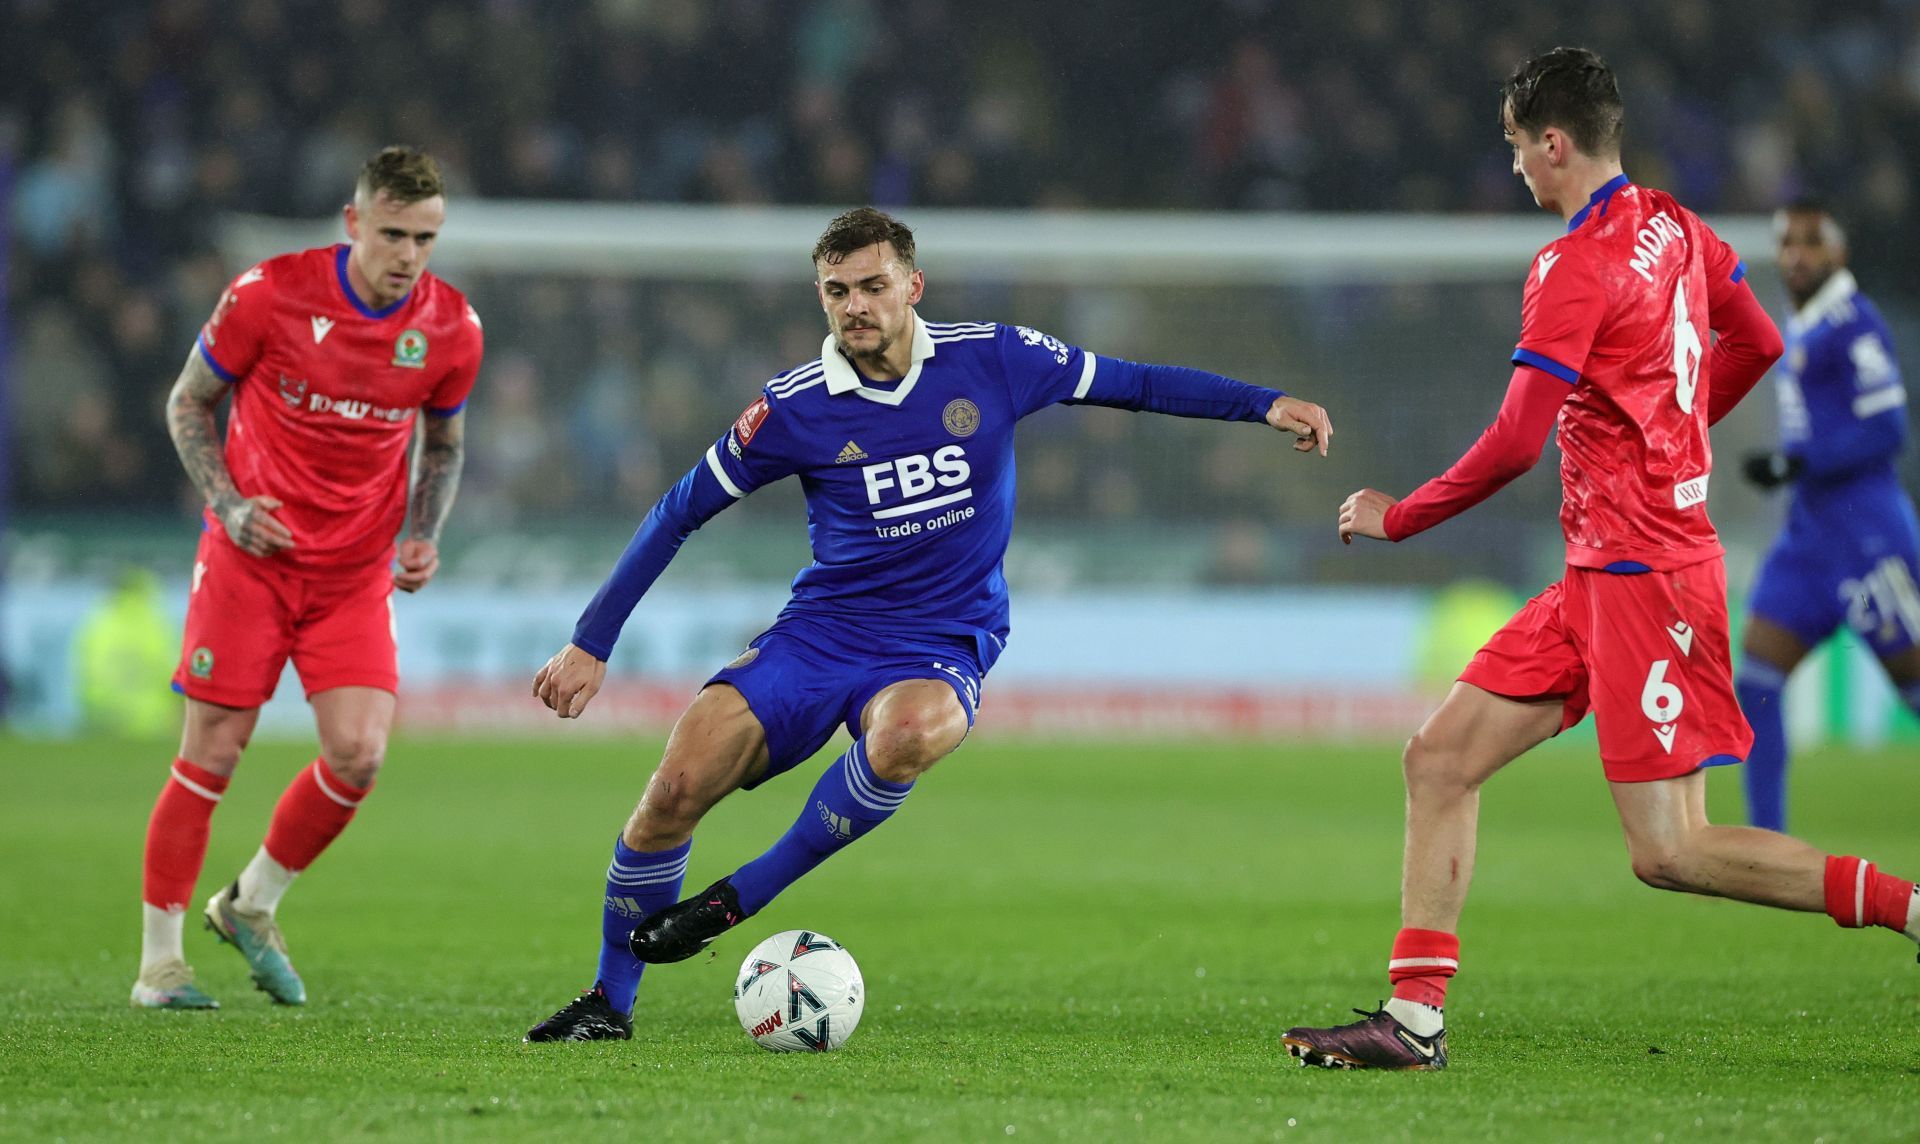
column 961, row 417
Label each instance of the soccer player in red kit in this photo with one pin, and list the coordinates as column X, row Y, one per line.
column 1614, row 347
column 332, row 356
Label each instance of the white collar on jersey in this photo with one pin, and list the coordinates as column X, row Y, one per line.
column 843, row 378
column 1834, row 293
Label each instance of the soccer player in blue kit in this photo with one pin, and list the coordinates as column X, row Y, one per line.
column 902, row 436
column 1849, row 551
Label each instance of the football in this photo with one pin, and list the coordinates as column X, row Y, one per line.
column 798, row 991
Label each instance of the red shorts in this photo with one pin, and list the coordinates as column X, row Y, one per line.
column 246, row 616
column 1646, row 652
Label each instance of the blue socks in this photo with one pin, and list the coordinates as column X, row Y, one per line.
column 848, row 801
column 637, row 885
column 1759, row 685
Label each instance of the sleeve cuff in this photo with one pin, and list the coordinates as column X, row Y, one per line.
column 1739, row 271
column 448, row 412
column 213, row 363
column 598, row 650
column 1545, row 364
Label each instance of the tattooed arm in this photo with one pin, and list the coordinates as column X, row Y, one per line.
column 436, row 479
column 249, row 521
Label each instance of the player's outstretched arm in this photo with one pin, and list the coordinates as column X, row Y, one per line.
column 1510, row 446
column 1305, row 420
column 249, row 521
column 569, row 681
column 436, row 481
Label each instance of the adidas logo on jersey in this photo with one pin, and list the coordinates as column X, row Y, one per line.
column 852, row 452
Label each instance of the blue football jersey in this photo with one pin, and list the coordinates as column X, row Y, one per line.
column 910, row 483
column 1842, row 405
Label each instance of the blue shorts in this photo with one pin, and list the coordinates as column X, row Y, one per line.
column 1865, row 578
column 806, row 677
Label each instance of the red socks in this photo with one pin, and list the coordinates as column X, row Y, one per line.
column 177, row 835
column 1422, row 962
column 314, row 810
column 1860, row 895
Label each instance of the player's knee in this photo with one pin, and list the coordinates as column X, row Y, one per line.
column 1662, row 867
column 356, row 757
column 671, row 808
column 907, row 739
column 1433, row 766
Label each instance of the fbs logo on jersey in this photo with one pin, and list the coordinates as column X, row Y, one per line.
column 200, row 663
column 410, row 350
column 852, row 452
column 961, row 417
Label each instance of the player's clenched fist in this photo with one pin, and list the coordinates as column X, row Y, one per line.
column 1365, row 514
column 415, row 563
column 254, row 529
column 1304, row 420
column 569, row 681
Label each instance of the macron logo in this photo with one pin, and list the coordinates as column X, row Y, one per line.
column 1682, row 635
column 320, row 328
column 1546, row 263
column 249, row 278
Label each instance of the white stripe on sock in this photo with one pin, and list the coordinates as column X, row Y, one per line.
column 1423, row 962
column 320, row 780
column 1860, row 892
column 195, row 787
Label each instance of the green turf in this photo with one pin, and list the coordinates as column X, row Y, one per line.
column 1059, row 941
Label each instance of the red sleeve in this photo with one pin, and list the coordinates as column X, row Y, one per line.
column 234, row 336
column 1748, row 345
column 1509, row 447
column 450, row 395
column 1560, row 314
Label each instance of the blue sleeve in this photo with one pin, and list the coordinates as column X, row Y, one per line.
column 695, row 500
column 1856, row 382
column 1042, row 371
column 1174, row 390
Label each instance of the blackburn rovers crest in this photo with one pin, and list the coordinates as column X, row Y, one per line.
column 961, row 418
column 292, row 390
column 410, row 350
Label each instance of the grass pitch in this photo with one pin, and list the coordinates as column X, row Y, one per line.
column 1059, row 941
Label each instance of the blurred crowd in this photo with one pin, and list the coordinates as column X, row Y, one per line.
column 128, row 130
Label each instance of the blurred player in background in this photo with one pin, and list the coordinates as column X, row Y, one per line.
column 1613, row 346
column 330, row 354
column 1849, row 553
column 902, row 435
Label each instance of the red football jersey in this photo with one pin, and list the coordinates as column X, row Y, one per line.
column 325, row 394
column 1619, row 308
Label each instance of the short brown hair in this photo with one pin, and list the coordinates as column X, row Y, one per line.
column 860, row 228
column 403, row 174
column 1572, row 89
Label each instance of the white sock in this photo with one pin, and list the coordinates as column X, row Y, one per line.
column 1913, row 915
column 160, row 936
column 1420, row 1020
column 262, row 883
